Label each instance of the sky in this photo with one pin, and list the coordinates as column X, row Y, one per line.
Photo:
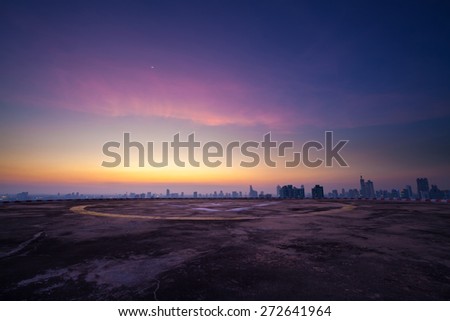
column 77, row 74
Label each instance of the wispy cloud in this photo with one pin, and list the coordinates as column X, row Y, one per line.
column 107, row 88
column 207, row 94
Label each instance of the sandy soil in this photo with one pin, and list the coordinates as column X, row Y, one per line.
column 224, row 250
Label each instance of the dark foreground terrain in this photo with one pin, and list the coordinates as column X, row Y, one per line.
column 224, row 250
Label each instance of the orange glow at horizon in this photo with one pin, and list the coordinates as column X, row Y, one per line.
column 222, row 175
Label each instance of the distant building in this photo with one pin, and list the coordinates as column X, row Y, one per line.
column 301, row 191
column 353, row 193
column 395, row 194
column 410, row 192
column 405, row 193
column 195, row 195
column 370, row 189
column 317, row 192
column 436, row 193
column 362, row 186
column 252, row 193
column 446, row 194
column 287, row 191
column 334, row 193
column 290, row 191
column 278, row 191
column 167, row 192
column 423, row 188
column 22, row 196
column 367, row 189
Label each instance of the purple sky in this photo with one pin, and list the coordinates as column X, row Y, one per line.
column 78, row 74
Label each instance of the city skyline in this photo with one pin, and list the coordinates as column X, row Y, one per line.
column 367, row 190
column 77, row 75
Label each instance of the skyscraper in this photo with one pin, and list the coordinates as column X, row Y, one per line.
column 406, row 193
column 301, row 192
column 367, row 189
column 317, row 192
column 436, row 193
column 370, row 191
column 278, row 190
column 362, row 185
column 423, row 188
column 252, row 193
column 290, row 191
column 409, row 189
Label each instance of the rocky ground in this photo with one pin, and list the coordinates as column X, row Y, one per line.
column 224, row 250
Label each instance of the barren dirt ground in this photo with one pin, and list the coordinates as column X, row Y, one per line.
column 224, row 250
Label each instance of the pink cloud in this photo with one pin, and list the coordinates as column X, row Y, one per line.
column 204, row 94
column 104, row 88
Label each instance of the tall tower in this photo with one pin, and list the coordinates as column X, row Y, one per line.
column 363, row 187
column 423, row 188
column 317, row 192
column 370, row 191
column 252, row 193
